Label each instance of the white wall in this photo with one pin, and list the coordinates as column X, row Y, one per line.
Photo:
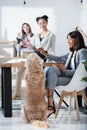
column 63, row 18
column 83, row 18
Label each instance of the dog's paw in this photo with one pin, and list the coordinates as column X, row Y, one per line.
column 38, row 123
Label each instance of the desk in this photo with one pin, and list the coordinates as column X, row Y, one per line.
column 7, row 42
column 6, row 81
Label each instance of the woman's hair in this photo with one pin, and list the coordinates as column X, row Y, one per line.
column 45, row 17
column 30, row 31
column 78, row 38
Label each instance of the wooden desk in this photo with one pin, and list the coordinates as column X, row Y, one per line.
column 6, row 82
column 8, row 42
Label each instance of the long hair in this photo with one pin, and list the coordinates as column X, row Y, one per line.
column 78, row 38
column 30, row 30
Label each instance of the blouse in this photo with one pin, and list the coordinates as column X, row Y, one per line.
column 47, row 42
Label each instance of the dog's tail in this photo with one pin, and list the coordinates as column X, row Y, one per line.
column 39, row 123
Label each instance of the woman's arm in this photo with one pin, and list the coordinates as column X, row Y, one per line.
column 52, row 57
column 30, row 46
column 82, row 55
column 58, row 58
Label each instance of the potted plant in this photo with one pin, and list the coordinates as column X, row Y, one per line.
column 84, row 110
column 85, row 78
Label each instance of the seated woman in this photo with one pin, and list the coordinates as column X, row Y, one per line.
column 26, row 41
column 76, row 55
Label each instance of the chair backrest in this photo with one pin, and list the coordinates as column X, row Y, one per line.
column 76, row 82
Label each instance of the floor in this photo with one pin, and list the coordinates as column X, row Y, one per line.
column 63, row 122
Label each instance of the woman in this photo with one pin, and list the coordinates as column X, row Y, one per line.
column 77, row 55
column 26, row 42
column 46, row 40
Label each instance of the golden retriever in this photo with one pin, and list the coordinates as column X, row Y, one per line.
column 35, row 106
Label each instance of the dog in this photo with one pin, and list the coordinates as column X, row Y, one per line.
column 35, row 106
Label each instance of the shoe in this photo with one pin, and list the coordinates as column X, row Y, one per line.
column 15, row 97
column 53, row 110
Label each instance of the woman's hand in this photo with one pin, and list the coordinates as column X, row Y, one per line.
column 62, row 68
column 29, row 45
column 40, row 49
column 21, row 44
column 43, row 52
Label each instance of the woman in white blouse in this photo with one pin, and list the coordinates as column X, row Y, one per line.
column 45, row 39
column 26, row 41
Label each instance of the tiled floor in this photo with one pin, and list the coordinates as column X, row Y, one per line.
column 63, row 122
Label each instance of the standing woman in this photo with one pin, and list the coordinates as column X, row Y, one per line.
column 46, row 39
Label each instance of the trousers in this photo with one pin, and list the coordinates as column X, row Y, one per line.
column 55, row 78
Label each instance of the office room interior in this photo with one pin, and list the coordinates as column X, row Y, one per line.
column 64, row 16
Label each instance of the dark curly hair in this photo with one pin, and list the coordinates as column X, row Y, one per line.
column 45, row 17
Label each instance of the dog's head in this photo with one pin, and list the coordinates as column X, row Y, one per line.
column 34, row 63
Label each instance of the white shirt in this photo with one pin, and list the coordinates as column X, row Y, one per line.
column 72, row 65
column 48, row 42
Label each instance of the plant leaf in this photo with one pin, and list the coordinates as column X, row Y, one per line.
column 85, row 63
column 84, row 79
